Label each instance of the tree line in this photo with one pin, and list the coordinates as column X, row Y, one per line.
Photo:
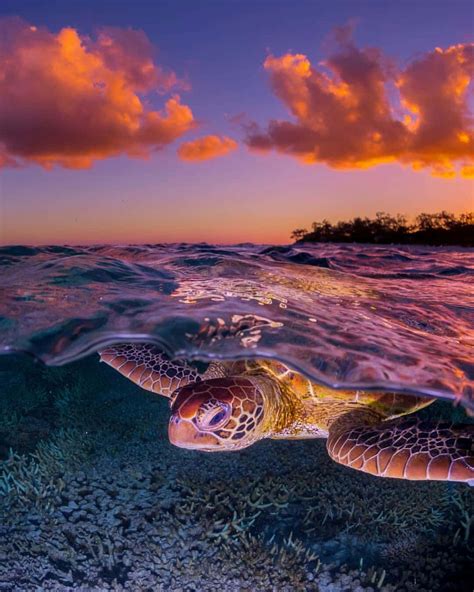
column 441, row 228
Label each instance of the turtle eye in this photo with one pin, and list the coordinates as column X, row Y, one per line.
column 215, row 417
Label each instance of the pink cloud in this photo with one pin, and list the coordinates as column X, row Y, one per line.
column 69, row 100
column 342, row 114
column 206, row 148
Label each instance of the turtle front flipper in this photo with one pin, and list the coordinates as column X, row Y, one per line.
column 147, row 366
column 403, row 448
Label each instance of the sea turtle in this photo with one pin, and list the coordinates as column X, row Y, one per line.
column 225, row 406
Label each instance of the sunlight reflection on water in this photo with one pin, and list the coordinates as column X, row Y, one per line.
column 352, row 316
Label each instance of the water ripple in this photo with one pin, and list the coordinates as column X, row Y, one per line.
column 353, row 316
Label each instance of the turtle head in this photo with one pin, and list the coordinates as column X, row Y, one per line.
column 218, row 415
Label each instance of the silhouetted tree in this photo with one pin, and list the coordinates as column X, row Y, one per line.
column 299, row 233
column 441, row 228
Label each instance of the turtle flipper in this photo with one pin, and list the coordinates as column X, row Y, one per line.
column 146, row 365
column 404, row 448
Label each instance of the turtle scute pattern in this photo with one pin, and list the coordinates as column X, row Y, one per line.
column 408, row 449
column 147, row 366
column 241, row 394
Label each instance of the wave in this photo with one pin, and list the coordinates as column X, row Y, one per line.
column 347, row 316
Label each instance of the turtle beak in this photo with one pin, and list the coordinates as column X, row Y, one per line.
column 184, row 434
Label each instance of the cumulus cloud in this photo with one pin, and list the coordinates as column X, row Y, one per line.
column 356, row 109
column 206, row 148
column 69, row 100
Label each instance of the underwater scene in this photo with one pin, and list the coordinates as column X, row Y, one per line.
column 193, row 417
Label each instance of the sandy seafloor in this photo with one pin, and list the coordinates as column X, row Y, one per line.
column 93, row 497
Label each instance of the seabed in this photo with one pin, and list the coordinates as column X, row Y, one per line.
column 93, row 497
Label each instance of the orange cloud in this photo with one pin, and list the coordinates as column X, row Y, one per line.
column 68, row 100
column 206, row 148
column 345, row 112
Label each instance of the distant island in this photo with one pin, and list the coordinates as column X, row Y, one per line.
column 442, row 228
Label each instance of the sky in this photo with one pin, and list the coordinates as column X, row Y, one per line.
column 229, row 121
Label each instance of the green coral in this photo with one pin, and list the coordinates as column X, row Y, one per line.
column 327, row 501
column 37, row 477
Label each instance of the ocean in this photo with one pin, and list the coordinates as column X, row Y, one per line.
column 94, row 497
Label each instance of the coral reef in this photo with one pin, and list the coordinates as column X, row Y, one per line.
column 36, row 478
column 102, row 501
column 123, row 526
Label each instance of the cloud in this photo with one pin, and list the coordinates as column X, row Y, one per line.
column 69, row 100
column 434, row 88
column 356, row 109
column 206, row 148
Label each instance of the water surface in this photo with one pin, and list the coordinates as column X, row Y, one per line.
column 94, row 497
column 354, row 316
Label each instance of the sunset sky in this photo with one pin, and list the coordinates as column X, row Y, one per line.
column 229, row 121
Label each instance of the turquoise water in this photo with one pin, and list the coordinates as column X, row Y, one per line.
column 94, row 497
